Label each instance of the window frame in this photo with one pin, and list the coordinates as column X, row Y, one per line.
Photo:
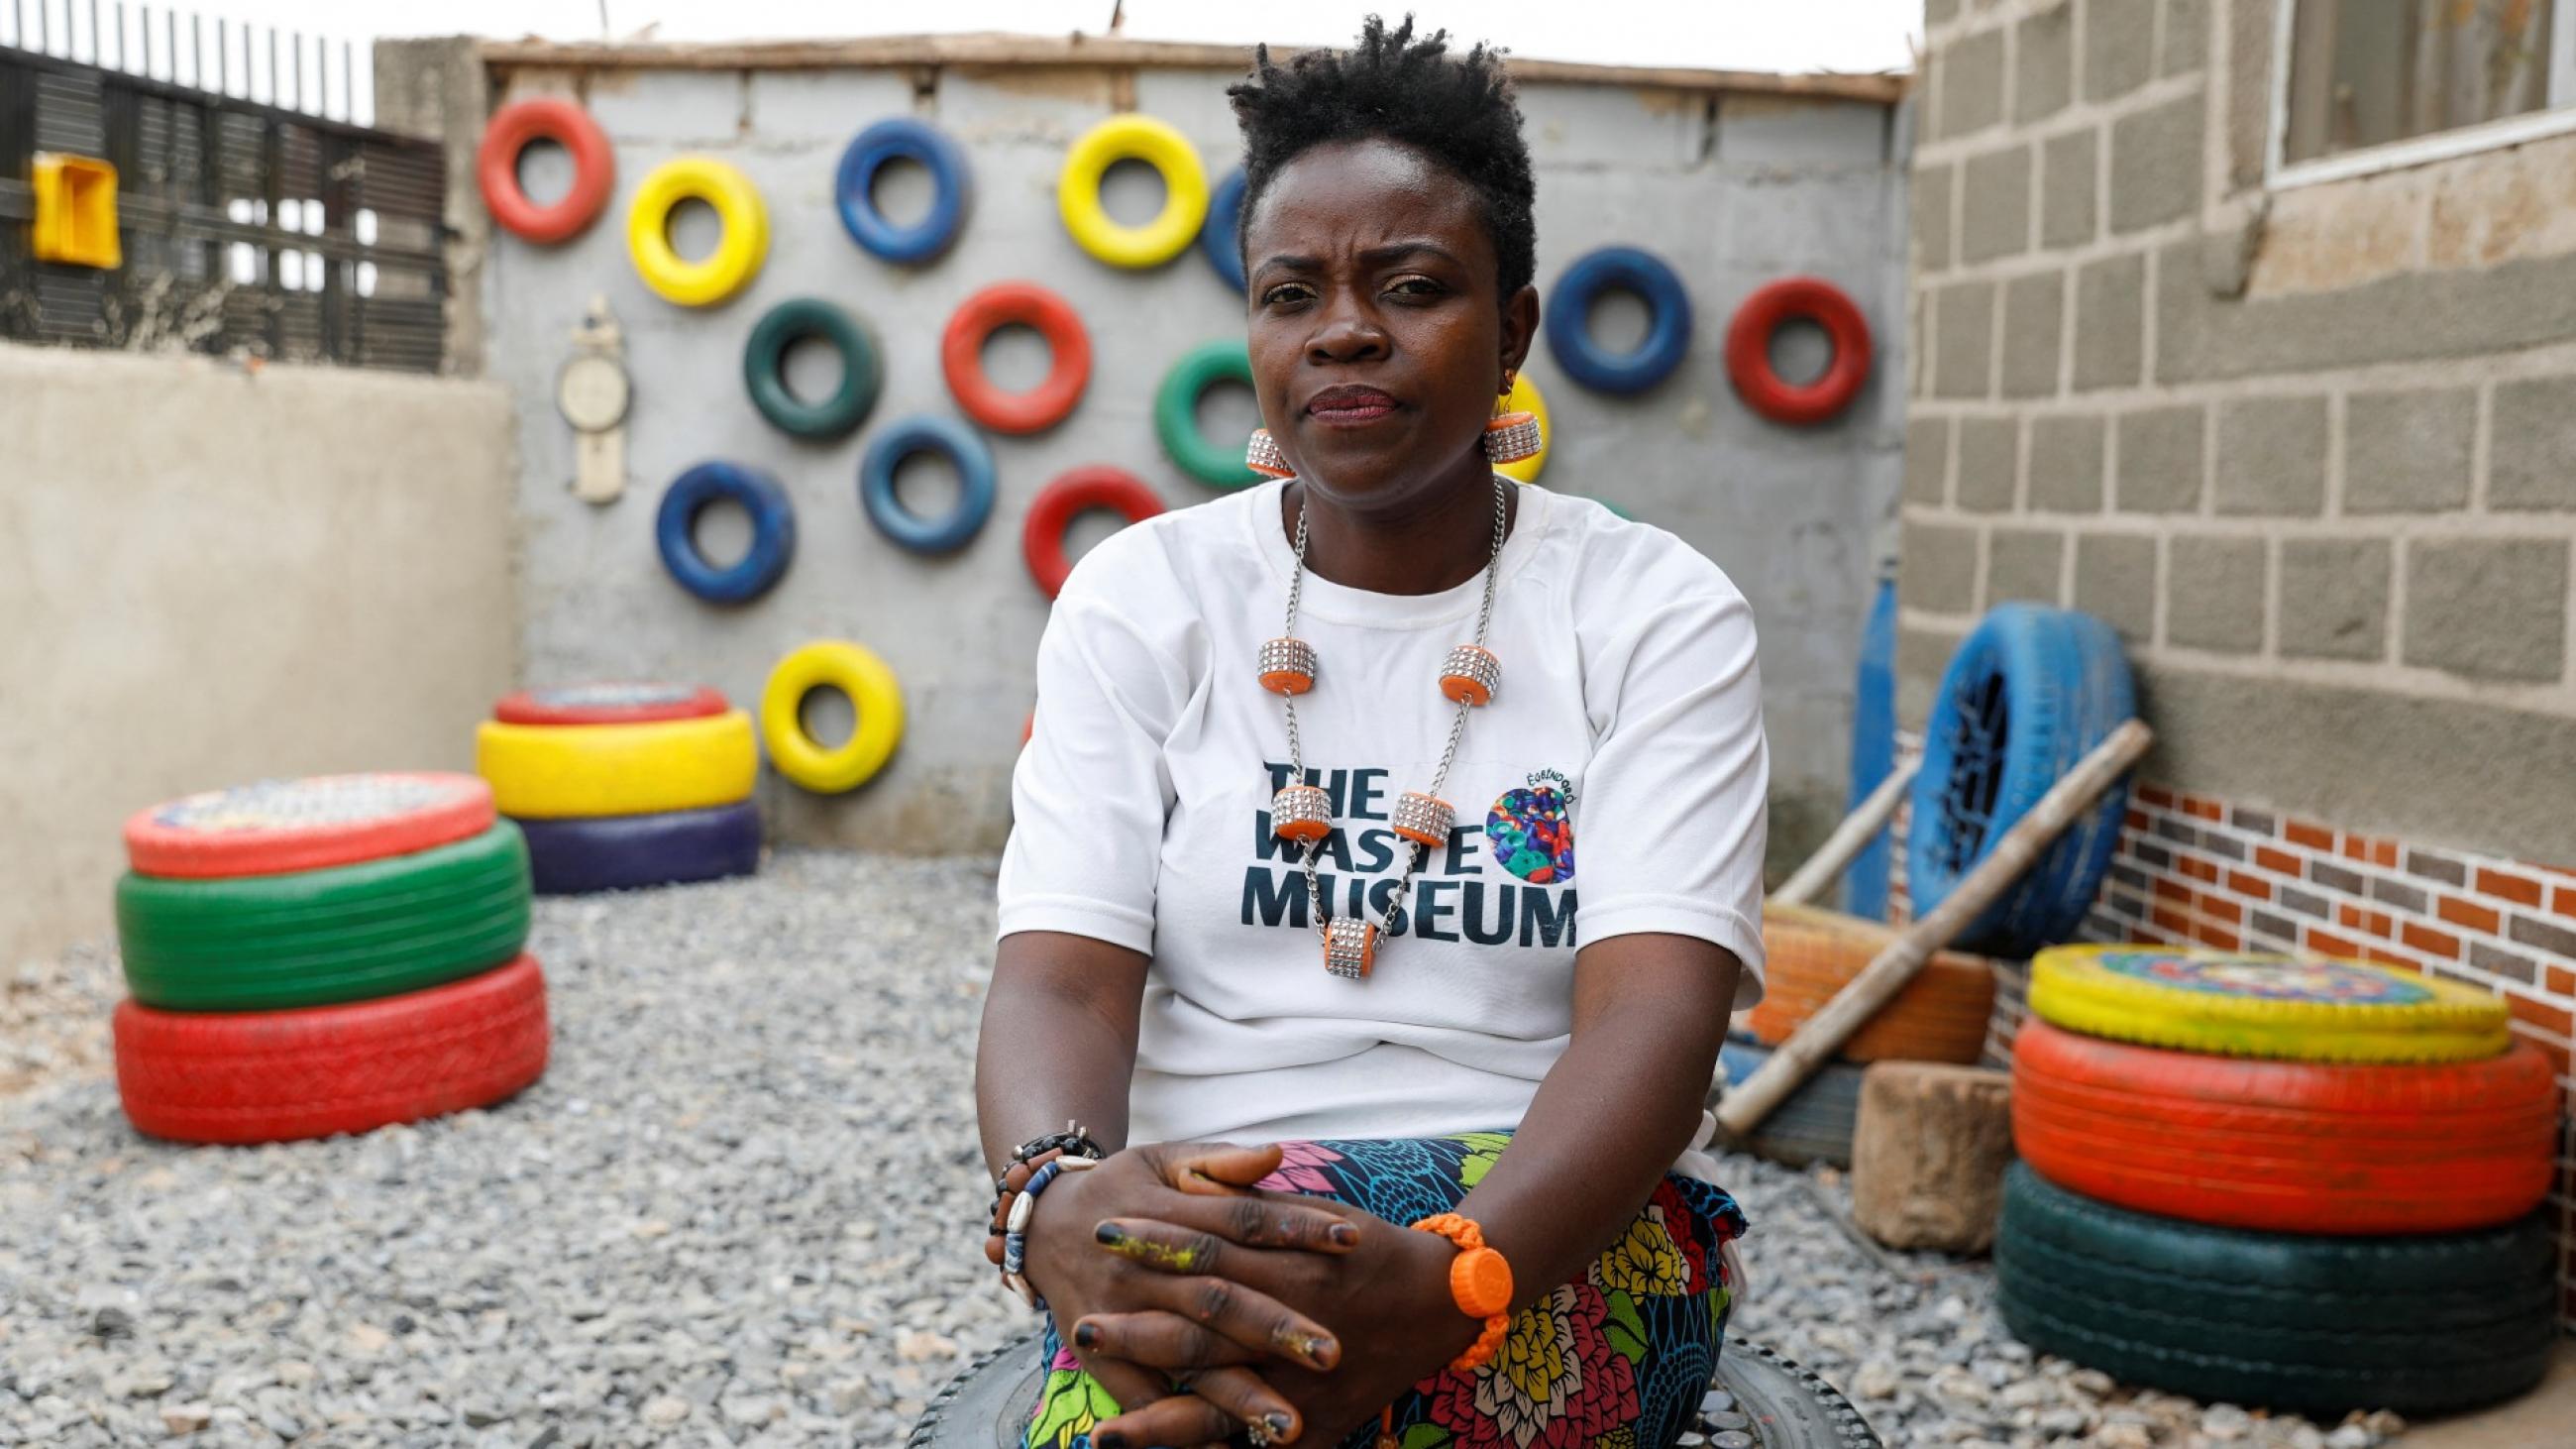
column 2556, row 117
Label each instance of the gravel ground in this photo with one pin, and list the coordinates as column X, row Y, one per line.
column 738, row 1210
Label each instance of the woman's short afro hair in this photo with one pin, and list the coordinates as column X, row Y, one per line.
column 1461, row 112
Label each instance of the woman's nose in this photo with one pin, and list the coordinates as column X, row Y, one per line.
column 1347, row 334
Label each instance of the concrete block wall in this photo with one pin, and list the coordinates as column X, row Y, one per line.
column 1734, row 187
column 2307, row 449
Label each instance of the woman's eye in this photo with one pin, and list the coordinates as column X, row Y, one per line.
column 1281, row 294
column 1415, row 287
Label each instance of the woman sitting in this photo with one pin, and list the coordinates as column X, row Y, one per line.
column 1238, row 905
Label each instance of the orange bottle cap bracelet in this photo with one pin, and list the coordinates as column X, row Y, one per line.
column 1480, row 1281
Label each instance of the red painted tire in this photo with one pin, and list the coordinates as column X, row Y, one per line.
column 496, row 168
column 1748, row 350
column 1094, row 485
column 277, row 826
column 277, row 1076
column 961, row 356
column 2287, row 1147
column 617, row 702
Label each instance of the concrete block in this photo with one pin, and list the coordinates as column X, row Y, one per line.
column 823, row 108
column 2532, row 456
column 2110, row 322
column 1575, row 126
column 2214, row 594
column 2334, row 597
column 2119, row 47
column 1921, row 655
column 2271, row 457
column 2159, row 452
column 2068, row 166
column 2410, row 452
column 1972, row 83
column 1929, row 1153
column 2249, row 92
column 1989, row 450
column 1994, row 209
column 2066, row 465
column 670, row 107
column 1927, row 461
column 2024, row 563
column 2186, row 37
column 2115, row 581
column 1929, row 200
column 1802, row 132
column 2034, row 314
column 1963, row 326
column 2156, row 164
column 2044, row 64
column 2487, row 608
column 1936, row 568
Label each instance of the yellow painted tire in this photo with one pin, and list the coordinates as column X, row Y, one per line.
column 556, row 772
column 1525, row 398
column 2286, row 1008
column 1185, row 191
column 739, row 252
column 875, row 696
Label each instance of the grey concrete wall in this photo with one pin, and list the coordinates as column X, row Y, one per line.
column 1733, row 190
column 209, row 576
column 2306, row 448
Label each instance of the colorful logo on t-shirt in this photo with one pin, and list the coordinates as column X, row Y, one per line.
column 1531, row 830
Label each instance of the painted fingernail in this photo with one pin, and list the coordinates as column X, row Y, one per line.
column 1344, row 1234
column 1108, row 1439
column 1109, row 1233
column 1278, row 1423
column 1086, row 1335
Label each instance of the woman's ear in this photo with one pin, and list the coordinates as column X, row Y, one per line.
column 1520, row 330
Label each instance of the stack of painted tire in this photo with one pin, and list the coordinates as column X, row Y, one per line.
column 1812, row 954
column 625, row 785
column 328, row 955
column 2294, row 1182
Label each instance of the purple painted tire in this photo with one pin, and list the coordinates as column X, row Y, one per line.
column 622, row 852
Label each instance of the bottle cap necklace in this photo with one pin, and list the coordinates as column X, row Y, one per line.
column 1303, row 813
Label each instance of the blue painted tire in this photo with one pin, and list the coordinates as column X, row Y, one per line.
column 773, row 532
column 1873, row 750
column 903, row 138
column 621, row 852
column 965, row 450
column 1569, row 319
column 2031, row 691
column 1220, row 236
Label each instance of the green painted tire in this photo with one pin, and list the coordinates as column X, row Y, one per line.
column 2420, row 1324
column 1176, row 414
column 764, row 368
column 317, row 937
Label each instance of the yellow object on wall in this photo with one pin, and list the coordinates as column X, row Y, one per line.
column 75, row 211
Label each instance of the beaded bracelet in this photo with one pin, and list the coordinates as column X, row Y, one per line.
column 1015, row 1235
column 1025, row 1160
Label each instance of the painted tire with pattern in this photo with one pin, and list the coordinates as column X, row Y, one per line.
column 1814, row 1124
column 512, row 129
column 2029, row 693
column 2320, row 1325
column 609, row 702
column 965, row 450
column 623, row 852
column 276, row 826
column 764, row 368
column 1811, row 954
column 315, row 937
column 1748, row 350
column 2286, row 1147
column 1221, row 235
column 1095, row 485
column 1668, row 325
column 952, row 188
column 548, row 772
column 280, row 1076
column 1176, row 414
column 2293, row 1008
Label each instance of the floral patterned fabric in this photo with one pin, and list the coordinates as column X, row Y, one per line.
column 1616, row 1359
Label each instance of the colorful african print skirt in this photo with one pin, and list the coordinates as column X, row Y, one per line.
column 1618, row 1358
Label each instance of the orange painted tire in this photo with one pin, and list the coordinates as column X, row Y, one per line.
column 961, row 357
column 1748, row 350
column 2286, row 1147
column 1940, row 1017
column 496, row 168
column 1094, row 485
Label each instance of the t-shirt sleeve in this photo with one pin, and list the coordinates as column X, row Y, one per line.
column 1091, row 791
column 1671, row 818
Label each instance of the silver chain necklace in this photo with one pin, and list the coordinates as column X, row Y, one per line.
column 1468, row 677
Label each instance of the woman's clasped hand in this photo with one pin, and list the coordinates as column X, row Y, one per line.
column 1207, row 1306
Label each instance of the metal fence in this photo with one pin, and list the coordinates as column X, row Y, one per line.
column 252, row 219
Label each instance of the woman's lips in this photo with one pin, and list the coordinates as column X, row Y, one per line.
column 1350, row 407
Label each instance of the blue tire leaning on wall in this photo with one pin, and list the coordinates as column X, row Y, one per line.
column 1220, row 237
column 952, row 189
column 764, row 368
column 2031, row 691
column 773, row 532
column 965, row 450
column 1569, row 320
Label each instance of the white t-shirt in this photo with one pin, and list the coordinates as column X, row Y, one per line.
column 1615, row 784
